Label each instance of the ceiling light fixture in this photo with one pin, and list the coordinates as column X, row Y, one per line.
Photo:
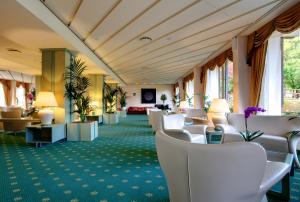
column 13, row 50
column 145, row 38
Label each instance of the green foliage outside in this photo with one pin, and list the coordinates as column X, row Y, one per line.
column 291, row 63
column 291, row 69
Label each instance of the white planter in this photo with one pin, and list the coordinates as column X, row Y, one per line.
column 124, row 109
column 123, row 114
column 82, row 131
column 110, row 119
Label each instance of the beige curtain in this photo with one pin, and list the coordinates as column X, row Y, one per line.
column 286, row 22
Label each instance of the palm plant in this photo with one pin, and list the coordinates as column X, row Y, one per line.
column 110, row 97
column 76, row 88
column 123, row 96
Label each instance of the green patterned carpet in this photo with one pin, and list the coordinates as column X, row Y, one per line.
column 120, row 165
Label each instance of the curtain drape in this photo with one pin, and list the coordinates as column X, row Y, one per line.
column 270, row 98
column 286, row 22
column 211, row 65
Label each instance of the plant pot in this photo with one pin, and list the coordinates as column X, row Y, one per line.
column 110, row 119
column 124, row 109
column 82, row 131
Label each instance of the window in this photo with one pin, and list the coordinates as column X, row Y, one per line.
column 220, row 83
column 189, row 87
column 212, row 84
column 20, row 97
column 280, row 92
column 177, row 95
column 2, row 96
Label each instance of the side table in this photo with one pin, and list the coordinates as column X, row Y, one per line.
column 213, row 136
column 39, row 134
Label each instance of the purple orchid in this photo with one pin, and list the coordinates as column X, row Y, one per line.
column 251, row 110
column 247, row 135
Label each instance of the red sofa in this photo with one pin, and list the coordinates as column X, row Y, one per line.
column 137, row 110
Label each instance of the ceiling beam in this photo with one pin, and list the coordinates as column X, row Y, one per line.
column 38, row 9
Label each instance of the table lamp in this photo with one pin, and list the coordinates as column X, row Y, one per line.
column 217, row 110
column 46, row 100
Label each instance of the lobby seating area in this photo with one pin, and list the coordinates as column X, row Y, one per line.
column 150, row 101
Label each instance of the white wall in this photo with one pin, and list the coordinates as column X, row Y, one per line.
column 135, row 101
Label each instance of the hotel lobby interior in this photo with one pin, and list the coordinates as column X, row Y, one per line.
column 150, row 100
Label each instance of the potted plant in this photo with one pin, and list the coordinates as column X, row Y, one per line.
column 247, row 135
column 110, row 100
column 75, row 89
column 163, row 98
column 123, row 97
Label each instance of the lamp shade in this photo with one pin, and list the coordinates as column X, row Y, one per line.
column 45, row 99
column 183, row 104
column 219, row 106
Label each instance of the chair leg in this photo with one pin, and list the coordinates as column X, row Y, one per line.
column 293, row 143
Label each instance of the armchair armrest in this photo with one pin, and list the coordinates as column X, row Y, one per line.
column 274, row 172
column 293, row 139
column 196, row 129
column 226, row 128
column 179, row 134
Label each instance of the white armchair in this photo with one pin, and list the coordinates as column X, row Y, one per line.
column 174, row 123
column 276, row 131
column 233, row 172
column 150, row 116
column 155, row 117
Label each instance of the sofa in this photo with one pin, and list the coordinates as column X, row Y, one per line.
column 137, row 110
column 232, row 172
column 276, row 130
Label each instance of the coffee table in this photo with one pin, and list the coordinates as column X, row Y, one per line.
column 287, row 158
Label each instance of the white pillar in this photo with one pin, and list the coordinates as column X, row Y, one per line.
column 241, row 74
column 181, row 90
column 197, row 88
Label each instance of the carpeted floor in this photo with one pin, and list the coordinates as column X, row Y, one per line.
column 120, row 165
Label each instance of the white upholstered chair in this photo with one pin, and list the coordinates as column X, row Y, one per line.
column 155, row 117
column 194, row 113
column 175, row 125
column 233, row 172
column 276, row 131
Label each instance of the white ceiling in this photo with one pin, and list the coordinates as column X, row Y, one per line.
column 184, row 32
column 22, row 31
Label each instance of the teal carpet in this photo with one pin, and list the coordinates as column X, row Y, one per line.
column 120, row 165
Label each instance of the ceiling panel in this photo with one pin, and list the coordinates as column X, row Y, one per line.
column 64, row 9
column 205, row 27
column 96, row 9
column 184, row 33
column 123, row 14
column 146, row 22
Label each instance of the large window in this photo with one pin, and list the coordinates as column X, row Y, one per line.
column 2, row 96
column 189, row 89
column 280, row 92
column 220, row 83
column 291, row 74
column 20, row 97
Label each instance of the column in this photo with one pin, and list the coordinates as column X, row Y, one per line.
column 197, row 88
column 95, row 91
column 241, row 74
column 54, row 63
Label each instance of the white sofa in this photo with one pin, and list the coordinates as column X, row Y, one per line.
column 174, row 125
column 276, row 131
column 233, row 172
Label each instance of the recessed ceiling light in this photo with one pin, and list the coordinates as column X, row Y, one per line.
column 13, row 50
column 146, row 38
